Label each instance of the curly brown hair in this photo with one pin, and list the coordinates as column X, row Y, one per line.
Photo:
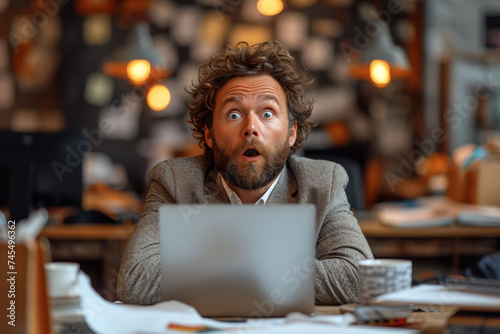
column 270, row 58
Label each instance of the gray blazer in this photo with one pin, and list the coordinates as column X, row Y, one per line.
column 340, row 242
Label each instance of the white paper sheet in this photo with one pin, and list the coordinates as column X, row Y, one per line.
column 106, row 317
column 480, row 216
column 439, row 295
column 414, row 217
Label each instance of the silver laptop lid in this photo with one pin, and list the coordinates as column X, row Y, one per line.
column 246, row 260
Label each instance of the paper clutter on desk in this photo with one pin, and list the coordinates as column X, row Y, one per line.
column 174, row 317
column 480, row 216
column 415, row 217
column 436, row 212
column 440, row 296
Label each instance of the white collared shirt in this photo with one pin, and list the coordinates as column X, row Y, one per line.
column 233, row 197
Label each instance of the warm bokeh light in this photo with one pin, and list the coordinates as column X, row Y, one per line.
column 138, row 71
column 250, row 33
column 269, row 7
column 380, row 73
column 158, row 97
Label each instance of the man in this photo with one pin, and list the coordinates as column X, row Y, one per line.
column 250, row 114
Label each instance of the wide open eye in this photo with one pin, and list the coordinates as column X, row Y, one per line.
column 267, row 114
column 234, row 115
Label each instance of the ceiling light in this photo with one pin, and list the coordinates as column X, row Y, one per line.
column 381, row 61
column 138, row 61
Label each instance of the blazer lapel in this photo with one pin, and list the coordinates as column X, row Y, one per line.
column 213, row 191
column 285, row 190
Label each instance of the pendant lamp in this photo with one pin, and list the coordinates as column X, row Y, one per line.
column 137, row 62
column 381, row 61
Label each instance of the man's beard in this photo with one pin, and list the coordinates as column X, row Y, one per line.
column 251, row 177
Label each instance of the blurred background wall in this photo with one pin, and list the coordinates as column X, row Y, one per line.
column 53, row 55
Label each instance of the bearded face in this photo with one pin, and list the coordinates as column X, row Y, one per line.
column 254, row 174
column 250, row 135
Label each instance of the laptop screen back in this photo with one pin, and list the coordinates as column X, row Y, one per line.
column 249, row 261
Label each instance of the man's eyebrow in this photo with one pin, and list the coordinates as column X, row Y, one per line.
column 269, row 97
column 230, row 99
column 261, row 98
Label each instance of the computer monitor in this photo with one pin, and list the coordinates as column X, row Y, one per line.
column 40, row 170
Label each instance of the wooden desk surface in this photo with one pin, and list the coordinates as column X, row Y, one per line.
column 374, row 228
column 88, row 232
column 425, row 322
column 369, row 228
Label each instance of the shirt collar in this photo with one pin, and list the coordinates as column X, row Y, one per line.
column 233, row 197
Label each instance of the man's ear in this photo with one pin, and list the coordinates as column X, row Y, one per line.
column 293, row 134
column 208, row 137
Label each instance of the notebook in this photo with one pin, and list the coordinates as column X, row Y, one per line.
column 239, row 261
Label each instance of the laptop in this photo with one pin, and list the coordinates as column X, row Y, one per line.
column 239, row 261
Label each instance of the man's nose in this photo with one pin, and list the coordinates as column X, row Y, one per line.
column 251, row 126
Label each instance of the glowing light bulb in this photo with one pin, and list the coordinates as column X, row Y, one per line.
column 380, row 73
column 269, row 7
column 158, row 97
column 138, row 71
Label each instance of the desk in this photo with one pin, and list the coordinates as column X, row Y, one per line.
column 373, row 228
column 432, row 248
column 370, row 228
column 88, row 232
column 426, row 322
column 92, row 242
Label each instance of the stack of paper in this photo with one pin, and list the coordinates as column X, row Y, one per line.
column 430, row 212
column 480, row 216
column 440, row 295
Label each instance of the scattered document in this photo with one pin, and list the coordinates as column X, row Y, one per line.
column 480, row 216
column 435, row 212
column 414, row 217
column 473, row 284
column 174, row 317
column 440, row 295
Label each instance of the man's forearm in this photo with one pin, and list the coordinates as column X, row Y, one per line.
column 336, row 282
column 139, row 280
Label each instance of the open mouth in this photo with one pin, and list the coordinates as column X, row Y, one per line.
column 251, row 152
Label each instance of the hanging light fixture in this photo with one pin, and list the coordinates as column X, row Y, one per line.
column 381, row 61
column 380, row 72
column 138, row 61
